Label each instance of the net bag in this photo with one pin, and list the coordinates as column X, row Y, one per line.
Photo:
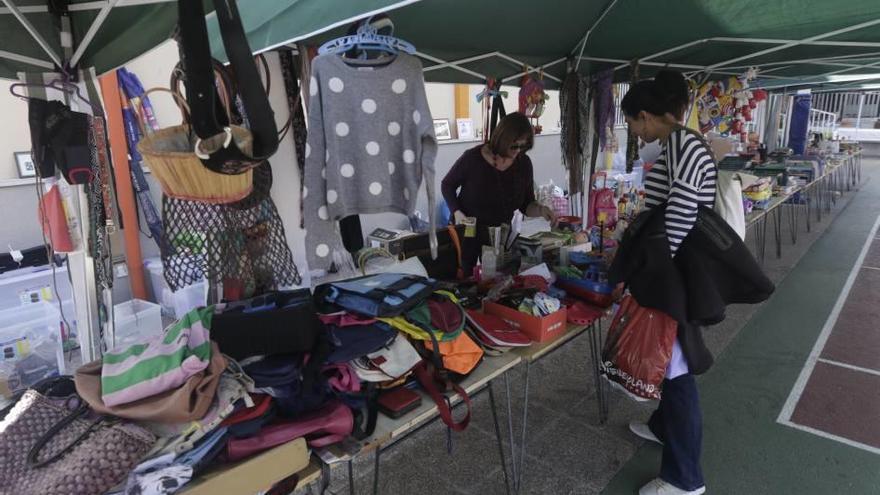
column 239, row 245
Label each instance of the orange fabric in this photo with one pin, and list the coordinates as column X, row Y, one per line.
column 460, row 355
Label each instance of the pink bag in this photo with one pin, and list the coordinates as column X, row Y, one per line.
column 328, row 425
column 601, row 201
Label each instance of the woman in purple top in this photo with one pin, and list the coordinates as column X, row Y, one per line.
column 491, row 181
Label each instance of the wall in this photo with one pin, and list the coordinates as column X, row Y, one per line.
column 15, row 136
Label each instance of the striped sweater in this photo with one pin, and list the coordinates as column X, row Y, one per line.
column 689, row 184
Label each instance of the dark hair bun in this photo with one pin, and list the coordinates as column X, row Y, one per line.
column 666, row 93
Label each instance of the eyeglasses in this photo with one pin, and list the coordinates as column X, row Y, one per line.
column 519, row 147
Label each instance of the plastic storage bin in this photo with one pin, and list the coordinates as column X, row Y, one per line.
column 30, row 346
column 136, row 319
column 174, row 304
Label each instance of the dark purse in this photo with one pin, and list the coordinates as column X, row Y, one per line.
column 52, row 443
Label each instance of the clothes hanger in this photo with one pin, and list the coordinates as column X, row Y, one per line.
column 367, row 38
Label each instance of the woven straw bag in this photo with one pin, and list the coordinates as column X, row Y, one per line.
column 171, row 155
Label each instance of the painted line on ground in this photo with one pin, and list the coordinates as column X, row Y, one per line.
column 801, row 383
column 849, row 366
column 831, row 436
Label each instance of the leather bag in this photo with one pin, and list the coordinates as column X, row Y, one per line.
column 54, row 445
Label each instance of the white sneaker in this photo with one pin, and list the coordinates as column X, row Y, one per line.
column 642, row 430
column 660, row 487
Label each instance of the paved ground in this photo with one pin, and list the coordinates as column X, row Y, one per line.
column 765, row 349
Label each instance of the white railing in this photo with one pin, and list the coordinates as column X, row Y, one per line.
column 824, row 123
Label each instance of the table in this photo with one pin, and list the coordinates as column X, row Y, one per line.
column 536, row 352
column 389, row 430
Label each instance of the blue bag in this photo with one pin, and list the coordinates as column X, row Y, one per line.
column 383, row 295
column 356, row 341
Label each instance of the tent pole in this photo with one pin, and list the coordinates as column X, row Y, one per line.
column 655, row 64
column 26, row 60
column 583, row 42
column 796, row 43
column 33, row 32
column 859, row 116
column 454, row 63
column 773, row 41
column 674, row 49
column 451, row 65
column 528, row 68
column 533, row 69
column 93, row 30
column 124, row 190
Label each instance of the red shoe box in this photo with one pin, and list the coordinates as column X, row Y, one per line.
column 538, row 329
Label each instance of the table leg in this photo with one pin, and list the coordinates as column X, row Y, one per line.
column 325, row 477
column 596, row 356
column 792, row 222
column 350, row 477
column 525, row 429
column 513, row 466
column 376, row 471
column 777, row 230
column 498, row 437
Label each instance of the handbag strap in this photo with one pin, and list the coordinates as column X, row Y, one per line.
column 427, row 377
column 81, row 410
column 371, row 396
column 201, row 92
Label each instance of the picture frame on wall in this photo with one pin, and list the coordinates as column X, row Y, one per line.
column 465, row 128
column 442, row 129
column 25, row 163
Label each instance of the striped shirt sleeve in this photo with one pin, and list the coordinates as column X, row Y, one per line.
column 692, row 184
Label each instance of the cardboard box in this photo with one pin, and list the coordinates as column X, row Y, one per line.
column 254, row 474
column 538, row 329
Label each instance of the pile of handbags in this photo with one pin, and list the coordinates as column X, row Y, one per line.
column 229, row 381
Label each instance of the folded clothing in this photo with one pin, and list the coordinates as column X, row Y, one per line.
column 157, row 364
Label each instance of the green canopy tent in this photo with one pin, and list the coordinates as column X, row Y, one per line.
column 468, row 41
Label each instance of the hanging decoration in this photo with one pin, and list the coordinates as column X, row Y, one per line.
column 532, row 98
column 492, row 99
column 726, row 105
column 604, row 93
column 632, row 141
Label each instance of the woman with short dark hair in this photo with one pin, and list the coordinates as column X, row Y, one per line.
column 491, row 181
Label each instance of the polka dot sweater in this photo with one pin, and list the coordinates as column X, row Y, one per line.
column 371, row 142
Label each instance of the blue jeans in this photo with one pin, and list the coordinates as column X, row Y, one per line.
column 678, row 423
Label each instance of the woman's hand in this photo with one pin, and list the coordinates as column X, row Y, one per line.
column 458, row 217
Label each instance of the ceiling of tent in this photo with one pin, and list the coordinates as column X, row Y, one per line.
column 718, row 38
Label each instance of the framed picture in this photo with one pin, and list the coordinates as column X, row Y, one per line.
column 25, row 164
column 465, row 128
column 442, row 130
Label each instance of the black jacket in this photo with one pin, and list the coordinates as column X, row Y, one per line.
column 713, row 268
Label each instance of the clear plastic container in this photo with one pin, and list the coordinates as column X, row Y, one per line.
column 136, row 319
column 30, row 346
column 174, row 304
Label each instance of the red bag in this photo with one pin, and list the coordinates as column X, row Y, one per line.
column 601, row 201
column 638, row 349
column 54, row 221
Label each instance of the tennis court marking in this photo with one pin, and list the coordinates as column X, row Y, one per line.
column 794, row 396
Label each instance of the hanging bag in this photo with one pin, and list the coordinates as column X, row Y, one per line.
column 169, row 153
column 601, row 201
column 638, row 349
column 220, row 146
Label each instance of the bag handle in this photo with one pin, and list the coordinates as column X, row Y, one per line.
column 179, row 100
column 201, row 92
column 456, row 243
column 81, row 410
column 427, row 376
